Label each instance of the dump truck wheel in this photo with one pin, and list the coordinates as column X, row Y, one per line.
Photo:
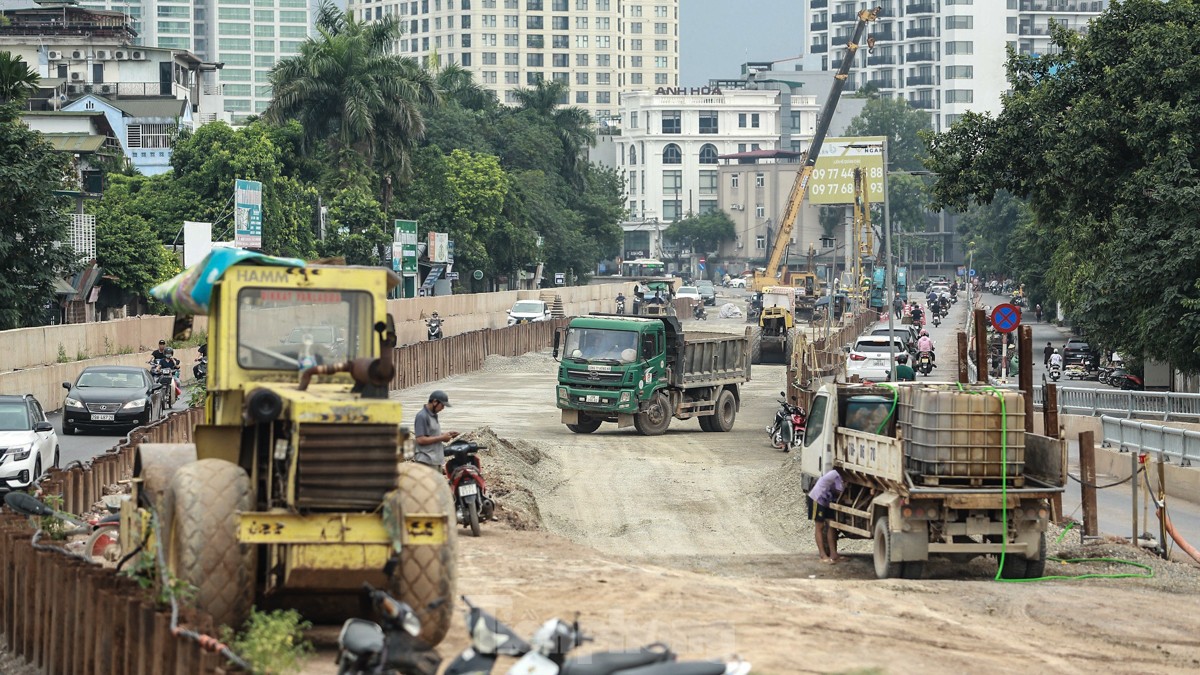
column 706, row 422
column 426, row 573
column 654, row 419
column 913, row 569
column 756, row 347
column 586, row 425
column 726, row 412
column 208, row 494
column 884, row 567
column 1020, row 567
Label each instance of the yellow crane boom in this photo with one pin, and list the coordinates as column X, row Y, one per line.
column 770, row 275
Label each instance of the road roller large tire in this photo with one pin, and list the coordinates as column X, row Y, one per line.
column 204, row 552
column 426, row 573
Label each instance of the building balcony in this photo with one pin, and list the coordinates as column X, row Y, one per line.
column 1061, row 6
column 819, row 25
column 818, row 4
column 843, row 17
column 881, row 60
column 888, row 83
column 839, row 40
column 920, row 8
column 921, row 32
column 883, row 35
column 919, row 81
column 919, row 57
column 128, row 89
column 819, row 48
column 922, row 103
column 835, row 64
column 1026, row 29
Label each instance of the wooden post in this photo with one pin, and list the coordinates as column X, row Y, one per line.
column 963, row 375
column 1087, row 483
column 1025, row 368
column 982, row 360
column 1050, row 410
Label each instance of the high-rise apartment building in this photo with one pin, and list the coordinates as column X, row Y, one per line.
column 599, row 47
column 943, row 56
column 248, row 36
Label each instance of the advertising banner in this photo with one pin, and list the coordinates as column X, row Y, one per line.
column 833, row 176
column 247, row 203
column 439, row 247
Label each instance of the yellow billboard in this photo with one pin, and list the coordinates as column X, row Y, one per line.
column 833, row 177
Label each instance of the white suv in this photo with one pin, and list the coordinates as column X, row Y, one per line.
column 868, row 358
column 28, row 442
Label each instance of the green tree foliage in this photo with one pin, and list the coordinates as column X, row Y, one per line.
column 129, row 251
column 347, row 89
column 572, row 125
column 17, row 80
column 32, row 222
column 703, row 234
column 1100, row 140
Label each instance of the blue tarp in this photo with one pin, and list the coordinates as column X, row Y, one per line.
column 190, row 291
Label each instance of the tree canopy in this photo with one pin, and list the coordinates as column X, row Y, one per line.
column 1099, row 139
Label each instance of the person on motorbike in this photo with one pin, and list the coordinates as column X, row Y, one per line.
column 1056, row 360
column 167, row 360
column 620, row 299
column 904, row 372
column 916, row 315
column 160, row 352
column 925, row 344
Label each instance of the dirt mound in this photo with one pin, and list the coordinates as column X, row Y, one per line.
column 526, row 363
column 515, row 471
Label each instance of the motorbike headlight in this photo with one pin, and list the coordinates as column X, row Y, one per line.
column 21, row 453
column 72, row 403
column 134, row 404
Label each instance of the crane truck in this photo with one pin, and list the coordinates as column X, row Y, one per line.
column 769, row 326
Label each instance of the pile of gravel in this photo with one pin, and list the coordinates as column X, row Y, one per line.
column 525, row 363
column 514, row 472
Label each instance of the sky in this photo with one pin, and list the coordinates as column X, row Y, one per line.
column 717, row 36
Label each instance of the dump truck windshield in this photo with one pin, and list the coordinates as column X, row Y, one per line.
column 289, row 329
column 594, row 344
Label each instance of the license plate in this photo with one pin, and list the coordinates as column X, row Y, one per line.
column 96, row 417
column 591, row 398
column 467, row 489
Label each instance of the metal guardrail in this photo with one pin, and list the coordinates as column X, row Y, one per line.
column 1128, row 435
column 1164, row 406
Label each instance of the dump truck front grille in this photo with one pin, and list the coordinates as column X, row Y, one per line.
column 346, row 466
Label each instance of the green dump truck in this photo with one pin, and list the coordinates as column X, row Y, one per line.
column 644, row 371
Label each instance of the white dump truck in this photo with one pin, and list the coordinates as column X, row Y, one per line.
column 935, row 469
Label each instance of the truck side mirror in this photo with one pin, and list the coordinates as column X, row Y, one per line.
column 557, row 339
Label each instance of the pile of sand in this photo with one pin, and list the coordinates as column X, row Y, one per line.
column 515, row 472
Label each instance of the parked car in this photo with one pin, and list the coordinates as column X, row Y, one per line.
column 32, row 444
column 868, row 357
column 1077, row 350
column 690, row 292
column 907, row 333
column 708, row 292
column 109, row 397
column 528, row 311
column 737, row 282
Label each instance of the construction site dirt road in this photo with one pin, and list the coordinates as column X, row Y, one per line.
column 700, row 540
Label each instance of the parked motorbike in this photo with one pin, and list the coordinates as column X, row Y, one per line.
column 366, row 648
column 547, row 655
column 1055, row 372
column 925, row 363
column 1123, row 379
column 1104, row 374
column 467, row 485
column 787, row 430
column 698, row 312
column 434, row 326
column 620, row 305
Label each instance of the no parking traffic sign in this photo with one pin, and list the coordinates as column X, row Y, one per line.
column 1006, row 317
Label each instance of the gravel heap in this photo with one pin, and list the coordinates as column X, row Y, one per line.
column 514, row 471
column 525, row 363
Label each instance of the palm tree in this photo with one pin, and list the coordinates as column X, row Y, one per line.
column 457, row 84
column 572, row 125
column 346, row 87
column 17, row 81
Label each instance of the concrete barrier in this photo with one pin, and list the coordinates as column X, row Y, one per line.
column 31, row 347
column 45, row 383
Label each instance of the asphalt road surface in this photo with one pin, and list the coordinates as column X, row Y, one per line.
column 84, row 445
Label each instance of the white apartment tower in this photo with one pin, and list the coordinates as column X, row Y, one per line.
column 943, row 56
column 248, row 36
column 599, row 47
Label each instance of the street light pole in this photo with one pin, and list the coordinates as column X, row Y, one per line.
column 887, row 266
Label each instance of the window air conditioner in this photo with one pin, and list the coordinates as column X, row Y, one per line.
column 77, row 54
column 138, row 56
column 120, row 55
column 102, row 55
column 75, row 77
column 53, row 55
column 108, row 88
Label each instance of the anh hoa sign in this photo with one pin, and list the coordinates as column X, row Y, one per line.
column 688, row 91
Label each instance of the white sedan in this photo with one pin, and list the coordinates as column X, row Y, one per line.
column 690, row 292
column 30, row 439
column 737, row 282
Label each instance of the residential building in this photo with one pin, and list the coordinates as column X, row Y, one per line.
column 942, row 56
column 248, row 37
column 600, row 48
column 87, row 63
column 669, row 151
